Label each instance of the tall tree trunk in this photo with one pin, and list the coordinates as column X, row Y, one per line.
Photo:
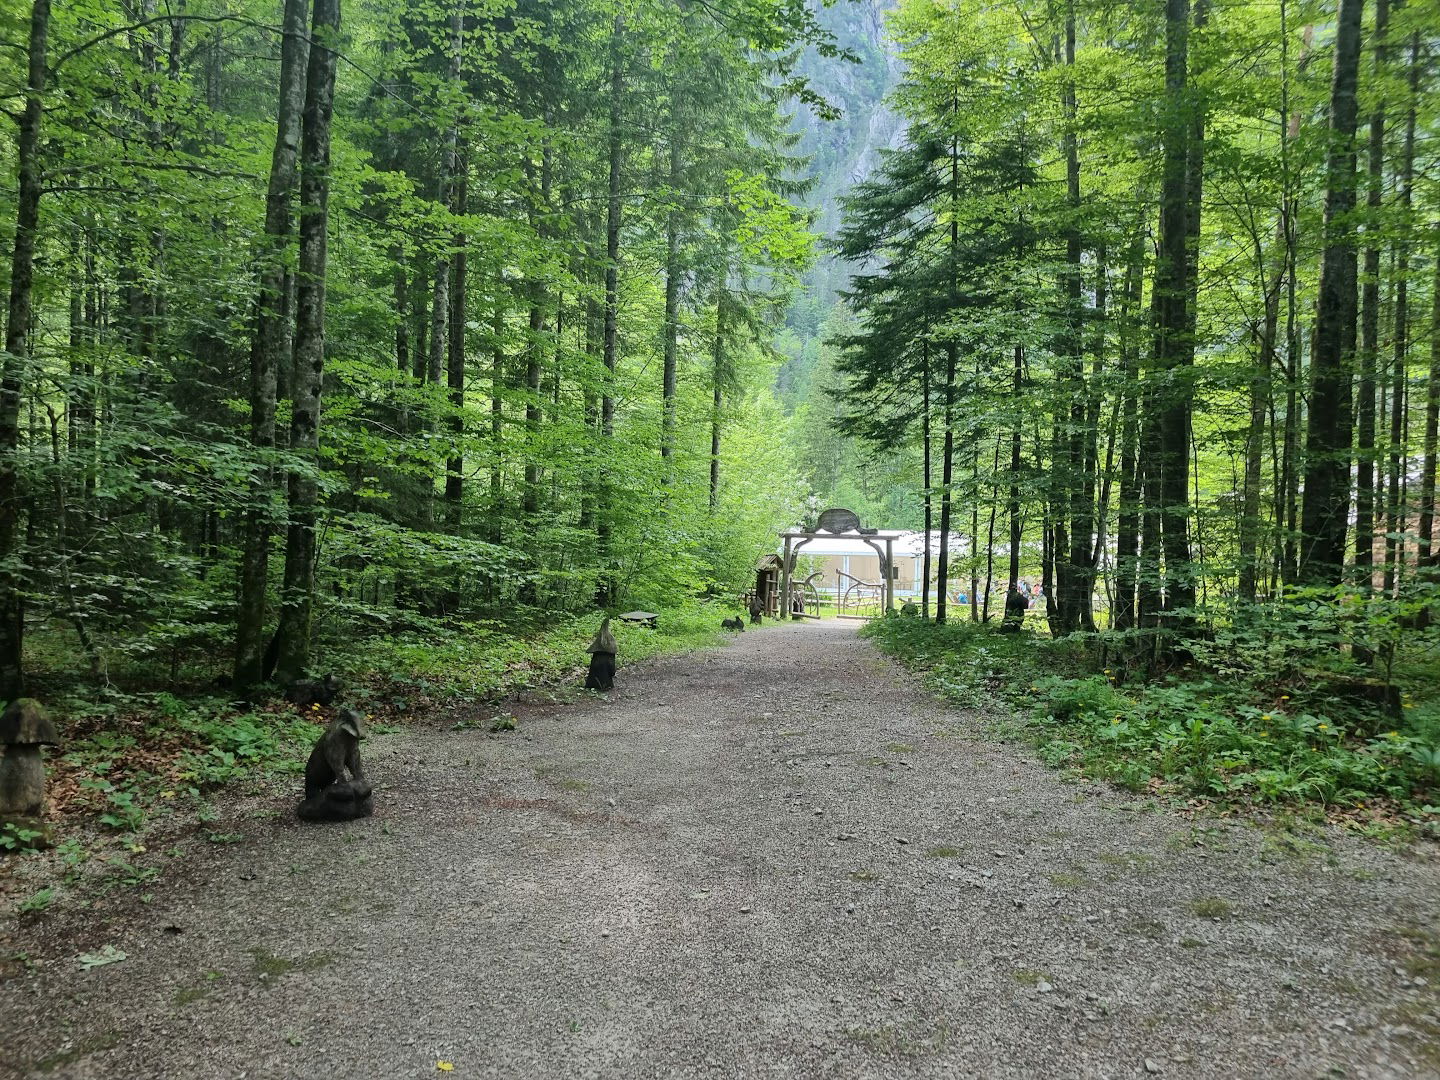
column 1167, row 442
column 674, row 272
column 497, row 418
column 947, row 473
column 535, row 358
column 1015, row 603
column 1370, row 324
column 1088, row 522
column 952, row 358
column 925, row 467
column 17, row 352
column 1127, row 525
column 455, row 360
column 980, row 609
column 718, row 374
column 1261, row 391
column 1072, row 522
column 297, row 599
column 534, row 355
column 1395, row 509
column 270, row 346
column 591, row 405
column 605, row 592
column 1326, row 501
column 1174, row 310
column 1427, row 557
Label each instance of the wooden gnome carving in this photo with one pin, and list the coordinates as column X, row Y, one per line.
column 602, row 659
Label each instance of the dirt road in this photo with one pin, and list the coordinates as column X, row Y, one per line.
column 780, row 858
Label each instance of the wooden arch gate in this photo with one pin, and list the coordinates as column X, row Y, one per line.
column 840, row 525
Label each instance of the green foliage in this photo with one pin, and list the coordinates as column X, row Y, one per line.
column 1226, row 734
column 485, row 451
column 36, row 903
column 18, row 839
column 489, row 661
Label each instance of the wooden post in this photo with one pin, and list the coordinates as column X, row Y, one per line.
column 889, row 573
column 785, row 581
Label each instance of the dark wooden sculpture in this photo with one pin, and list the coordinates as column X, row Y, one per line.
column 602, row 659
column 307, row 692
column 24, row 729
column 331, row 795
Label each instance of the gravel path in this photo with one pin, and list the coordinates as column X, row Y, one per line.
column 780, row 858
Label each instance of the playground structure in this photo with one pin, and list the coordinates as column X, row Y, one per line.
column 771, row 579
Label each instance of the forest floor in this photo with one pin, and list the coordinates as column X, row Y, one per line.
column 777, row 858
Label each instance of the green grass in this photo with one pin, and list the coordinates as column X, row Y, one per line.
column 491, row 661
column 1211, row 907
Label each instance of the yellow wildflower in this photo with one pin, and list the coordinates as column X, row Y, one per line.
column 1264, row 734
column 1323, row 727
column 1410, row 705
column 1265, row 716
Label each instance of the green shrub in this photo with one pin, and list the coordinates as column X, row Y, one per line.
column 1232, row 728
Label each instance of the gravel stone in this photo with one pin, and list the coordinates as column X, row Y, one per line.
column 499, row 912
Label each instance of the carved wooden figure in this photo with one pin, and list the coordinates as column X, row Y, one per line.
column 331, row 795
column 24, row 729
column 602, row 650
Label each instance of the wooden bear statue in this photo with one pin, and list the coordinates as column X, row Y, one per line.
column 329, row 795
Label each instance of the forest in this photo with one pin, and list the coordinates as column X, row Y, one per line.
column 408, row 343
column 1148, row 300
column 325, row 330
column 404, row 404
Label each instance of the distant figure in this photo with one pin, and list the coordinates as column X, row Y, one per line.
column 756, row 610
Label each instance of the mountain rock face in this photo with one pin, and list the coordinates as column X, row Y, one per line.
column 846, row 151
column 842, row 153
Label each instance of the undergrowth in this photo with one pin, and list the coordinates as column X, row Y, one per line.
column 490, row 660
column 1222, row 730
column 129, row 759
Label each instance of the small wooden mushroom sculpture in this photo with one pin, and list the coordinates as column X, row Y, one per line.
column 24, row 728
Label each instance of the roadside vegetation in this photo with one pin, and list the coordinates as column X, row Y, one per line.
column 1255, row 719
column 149, row 762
